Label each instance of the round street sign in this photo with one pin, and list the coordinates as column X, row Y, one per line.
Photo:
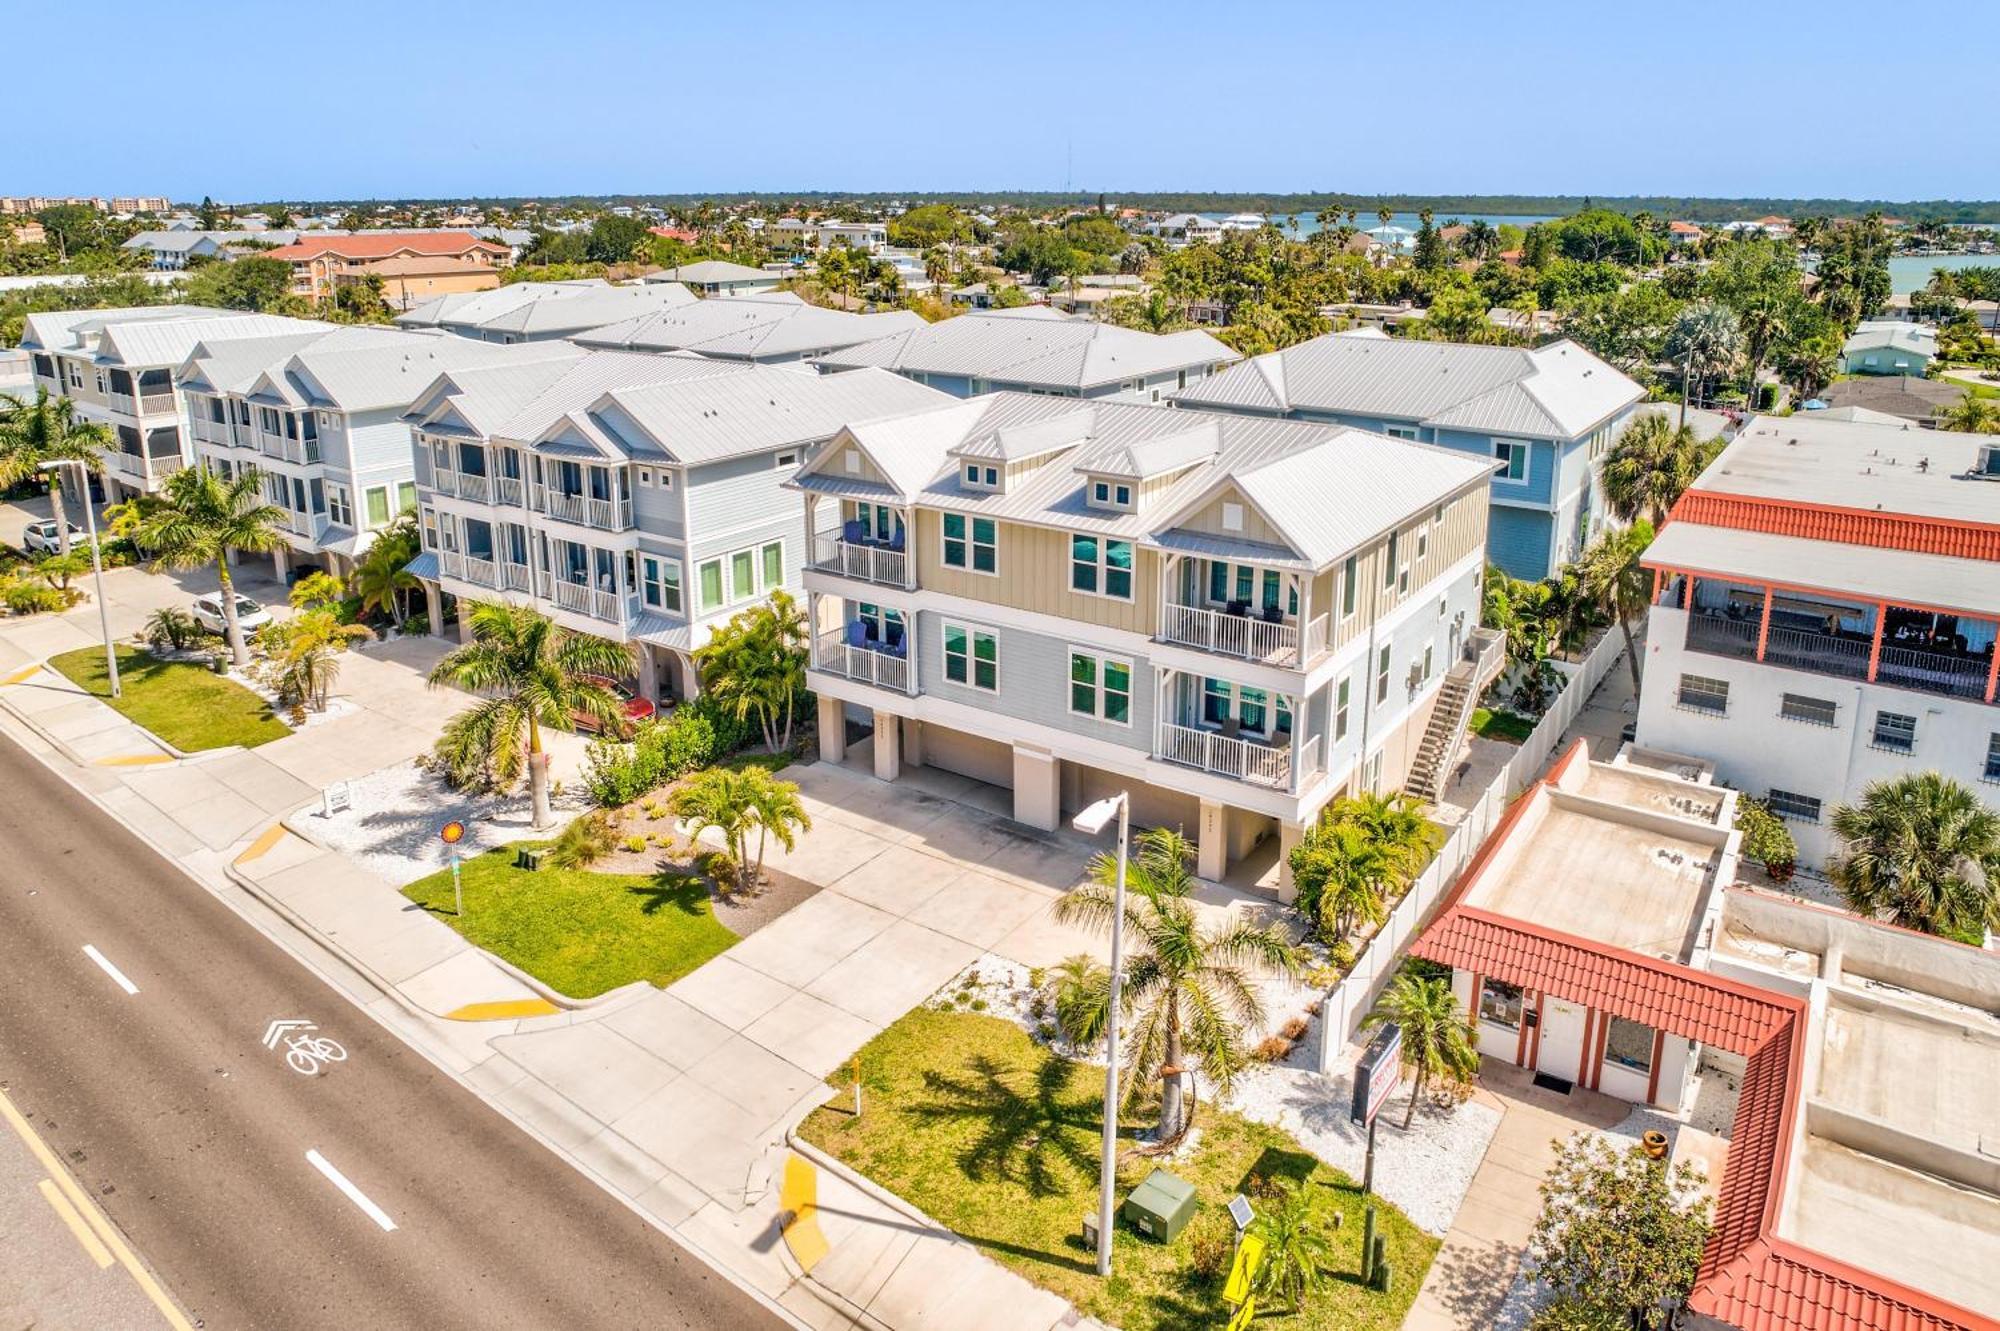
column 452, row 832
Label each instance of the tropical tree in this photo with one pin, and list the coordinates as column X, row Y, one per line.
column 1620, row 1235
column 1615, row 580
column 1971, row 414
column 1705, row 341
column 1338, row 871
column 532, row 674
column 1437, row 1036
column 755, row 665
column 736, row 801
column 381, row 577
column 1651, row 466
column 1186, row 988
column 1921, row 851
column 33, row 434
column 305, row 650
column 57, row 569
column 198, row 518
column 1297, row 1254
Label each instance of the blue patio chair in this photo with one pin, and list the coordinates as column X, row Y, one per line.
column 857, row 634
column 896, row 542
column 851, row 533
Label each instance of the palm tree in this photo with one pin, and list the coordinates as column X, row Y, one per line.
column 382, row 578
column 734, row 801
column 1339, row 870
column 776, row 811
column 1613, row 577
column 1437, row 1036
column 198, row 518
column 1184, row 985
column 1971, row 414
column 1297, row 1255
column 532, row 674
column 46, row 430
column 1705, row 340
column 1651, row 466
column 1921, row 851
column 756, row 665
column 1765, row 321
column 1397, row 824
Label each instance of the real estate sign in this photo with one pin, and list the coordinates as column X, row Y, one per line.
column 1377, row 1073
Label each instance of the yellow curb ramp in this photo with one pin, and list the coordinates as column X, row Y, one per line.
column 26, row 673
column 135, row 760
column 513, row 1007
column 272, row 836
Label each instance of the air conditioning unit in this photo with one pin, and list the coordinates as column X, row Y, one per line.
column 1416, row 674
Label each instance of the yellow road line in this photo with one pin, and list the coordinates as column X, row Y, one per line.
column 135, row 760
column 272, row 836
column 515, row 1007
column 90, row 1242
column 27, row 672
column 88, row 1210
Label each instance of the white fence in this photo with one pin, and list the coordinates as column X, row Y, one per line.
column 1349, row 1001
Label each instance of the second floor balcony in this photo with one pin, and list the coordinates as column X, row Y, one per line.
column 584, row 510
column 852, row 555
column 1233, row 730
column 853, row 653
column 1269, row 638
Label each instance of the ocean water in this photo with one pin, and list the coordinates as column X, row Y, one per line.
column 1912, row 272
column 1365, row 220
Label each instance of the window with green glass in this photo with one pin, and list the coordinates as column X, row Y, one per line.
column 1218, row 581
column 985, row 546
column 1082, row 684
column 1118, row 569
column 954, row 541
column 406, row 496
column 1083, row 563
column 1100, row 687
column 1250, row 708
column 378, row 505
column 711, row 584
column 774, row 565
column 1117, row 692
column 742, row 573
column 1347, row 576
column 971, row 656
column 1341, row 694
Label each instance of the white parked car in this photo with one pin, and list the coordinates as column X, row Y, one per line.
column 41, row 538
column 250, row 616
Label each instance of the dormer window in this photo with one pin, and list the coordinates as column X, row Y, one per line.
column 981, row 477
column 1111, row 494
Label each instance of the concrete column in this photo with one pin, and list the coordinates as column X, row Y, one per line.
column 649, row 671
column 888, row 746
column 434, row 606
column 464, row 624
column 1211, row 855
column 1289, row 835
column 1037, row 790
column 690, row 677
column 913, row 741
column 832, row 729
column 281, row 562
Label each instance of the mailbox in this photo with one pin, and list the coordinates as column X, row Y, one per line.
column 1160, row 1207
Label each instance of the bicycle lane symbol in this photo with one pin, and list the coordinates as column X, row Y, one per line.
column 305, row 1051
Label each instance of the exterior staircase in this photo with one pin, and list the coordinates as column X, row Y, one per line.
column 1444, row 738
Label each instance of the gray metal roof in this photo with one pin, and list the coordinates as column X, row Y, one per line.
column 1328, row 487
column 1047, row 349
column 64, row 330
column 1893, row 335
column 394, row 368
column 1557, row 391
column 769, row 326
column 530, row 309
column 762, row 407
column 1147, row 459
column 1017, row 443
column 150, row 343
column 587, row 379
column 714, row 270
column 478, row 401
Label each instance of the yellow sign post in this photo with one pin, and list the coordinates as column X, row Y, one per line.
column 1243, row 1275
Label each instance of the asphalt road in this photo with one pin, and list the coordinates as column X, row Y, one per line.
column 194, row 1138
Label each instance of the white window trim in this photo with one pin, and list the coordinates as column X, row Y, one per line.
column 1102, row 566
column 971, row 564
column 763, row 578
column 1097, row 689
column 722, row 584
column 645, row 478
column 788, row 458
column 388, row 504
column 971, row 632
column 1527, row 448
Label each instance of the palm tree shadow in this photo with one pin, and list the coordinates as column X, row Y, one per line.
column 671, row 891
column 1040, row 1138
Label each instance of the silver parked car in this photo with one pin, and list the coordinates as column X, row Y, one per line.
column 207, row 611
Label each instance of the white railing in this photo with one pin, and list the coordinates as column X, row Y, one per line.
column 473, row 487
column 1380, row 954
column 870, row 563
column 603, row 514
column 156, row 402
column 1243, row 636
column 562, row 507
column 516, row 578
column 212, row 432
column 122, row 402
column 866, row 665
column 301, row 524
column 482, row 571
column 509, row 490
column 1191, row 746
column 590, row 601
column 1319, row 637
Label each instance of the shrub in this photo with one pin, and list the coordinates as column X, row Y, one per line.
column 697, row 735
column 1294, row 1030
column 1766, row 839
column 1273, row 1049
column 635, row 844
column 1341, row 954
column 583, row 843
column 1211, row 1252
column 28, row 598
column 416, row 625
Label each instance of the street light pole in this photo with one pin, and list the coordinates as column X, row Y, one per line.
column 96, row 569
column 1094, row 819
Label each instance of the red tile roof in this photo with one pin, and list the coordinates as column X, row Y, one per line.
column 1749, row 1277
column 433, row 243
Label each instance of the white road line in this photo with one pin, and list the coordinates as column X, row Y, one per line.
column 117, row 976
column 354, row 1194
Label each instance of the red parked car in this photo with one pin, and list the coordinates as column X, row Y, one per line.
column 635, row 708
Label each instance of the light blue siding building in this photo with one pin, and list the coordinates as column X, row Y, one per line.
column 1546, row 416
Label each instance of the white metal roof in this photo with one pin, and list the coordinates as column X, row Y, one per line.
column 714, row 270
column 1901, row 577
column 393, row 371
column 545, row 308
column 1892, row 335
column 761, row 327
column 1556, row 391
column 1047, row 349
column 763, row 407
column 1858, row 465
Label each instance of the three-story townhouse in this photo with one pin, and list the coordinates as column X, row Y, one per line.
column 320, row 415
column 118, row 367
column 1234, row 619
column 635, row 497
column 1036, row 349
column 1546, row 416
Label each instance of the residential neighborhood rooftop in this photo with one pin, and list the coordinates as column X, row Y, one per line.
column 1042, row 348
column 1858, row 465
column 543, row 309
column 769, row 326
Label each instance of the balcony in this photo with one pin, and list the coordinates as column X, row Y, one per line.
column 852, row 656
column 1262, row 763
column 516, row 577
column 144, row 404
column 301, row 524
column 1937, row 668
column 584, row 511
column 598, row 604
column 1241, row 635
column 303, row 452
column 510, row 490
column 863, row 560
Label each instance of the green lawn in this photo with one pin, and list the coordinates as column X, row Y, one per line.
column 981, row 1128
column 1503, row 726
column 580, row 933
column 186, row 705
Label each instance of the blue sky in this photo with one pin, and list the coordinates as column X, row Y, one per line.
column 363, row 98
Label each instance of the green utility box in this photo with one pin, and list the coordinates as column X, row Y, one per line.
column 1160, row 1207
